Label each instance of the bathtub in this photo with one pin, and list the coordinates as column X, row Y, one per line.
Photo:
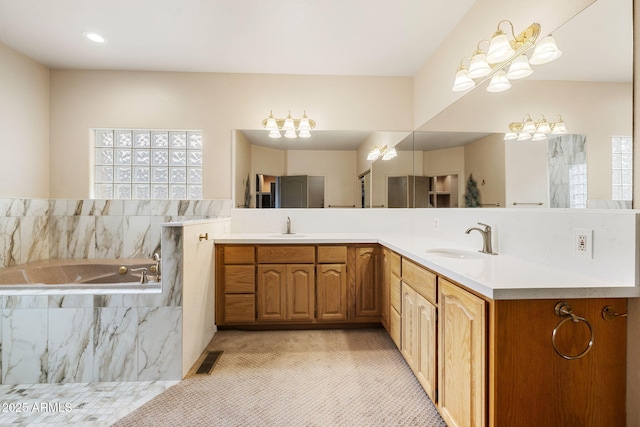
column 78, row 273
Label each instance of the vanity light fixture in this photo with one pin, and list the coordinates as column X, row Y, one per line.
column 527, row 129
column 289, row 125
column 505, row 59
column 384, row 153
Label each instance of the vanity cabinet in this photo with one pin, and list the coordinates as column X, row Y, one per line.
column 297, row 284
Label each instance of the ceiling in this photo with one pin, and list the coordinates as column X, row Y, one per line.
column 324, row 37
column 320, row 37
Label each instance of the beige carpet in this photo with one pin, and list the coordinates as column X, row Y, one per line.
column 296, row 378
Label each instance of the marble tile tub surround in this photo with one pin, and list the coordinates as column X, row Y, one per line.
column 38, row 229
column 96, row 338
column 537, row 235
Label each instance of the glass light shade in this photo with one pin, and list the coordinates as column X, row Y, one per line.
column 304, row 124
column 288, row 125
column 529, row 126
column 479, row 66
column 463, row 81
column 499, row 49
column 545, row 51
column 543, row 127
column 499, row 82
column 390, row 154
column 274, row 134
column 271, row 124
column 538, row 136
column 304, row 133
column 290, row 134
column 519, row 68
column 510, row 136
column 524, row 136
column 374, row 153
column 559, row 128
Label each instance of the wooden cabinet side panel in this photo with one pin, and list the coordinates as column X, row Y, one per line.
column 535, row 386
column 300, row 292
column 461, row 357
column 395, row 328
column 395, row 296
column 386, row 288
column 271, row 293
column 332, row 292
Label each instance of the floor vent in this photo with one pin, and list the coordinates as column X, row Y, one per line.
column 209, row 363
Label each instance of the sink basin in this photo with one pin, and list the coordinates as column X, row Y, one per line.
column 455, row 253
column 287, row 236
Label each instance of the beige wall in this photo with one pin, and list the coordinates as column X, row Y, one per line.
column 215, row 103
column 598, row 110
column 24, row 121
column 484, row 159
column 338, row 168
column 432, row 84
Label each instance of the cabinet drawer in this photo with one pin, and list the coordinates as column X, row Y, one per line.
column 332, row 254
column 239, row 279
column 286, row 254
column 420, row 279
column 239, row 254
column 394, row 264
column 239, row 308
column 395, row 293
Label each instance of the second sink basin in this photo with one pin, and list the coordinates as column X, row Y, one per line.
column 455, row 253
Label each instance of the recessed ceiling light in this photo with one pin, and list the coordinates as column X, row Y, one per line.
column 95, row 37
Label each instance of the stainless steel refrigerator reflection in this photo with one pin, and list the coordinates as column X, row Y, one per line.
column 300, row 191
column 407, row 191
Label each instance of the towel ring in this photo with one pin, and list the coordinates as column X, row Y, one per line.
column 563, row 309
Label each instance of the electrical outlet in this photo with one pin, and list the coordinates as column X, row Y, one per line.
column 583, row 242
column 436, row 222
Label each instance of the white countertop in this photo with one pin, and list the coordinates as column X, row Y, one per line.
column 499, row 277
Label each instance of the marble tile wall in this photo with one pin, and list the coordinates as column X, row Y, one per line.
column 37, row 229
column 97, row 338
column 94, row 338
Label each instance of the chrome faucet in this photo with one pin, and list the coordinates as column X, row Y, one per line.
column 289, row 225
column 486, row 238
column 157, row 269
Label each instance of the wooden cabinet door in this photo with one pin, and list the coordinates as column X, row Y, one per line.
column 368, row 305
column 300, row 292
column 272, row 298
column 409, row 328
column 461, row 356
column 332, row 293
column 425, row 363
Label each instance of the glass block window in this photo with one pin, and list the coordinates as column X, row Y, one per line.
column 148, row 164
column 578, row 186
column 622, row 167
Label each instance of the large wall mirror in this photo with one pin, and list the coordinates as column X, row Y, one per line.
column 590, row 86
